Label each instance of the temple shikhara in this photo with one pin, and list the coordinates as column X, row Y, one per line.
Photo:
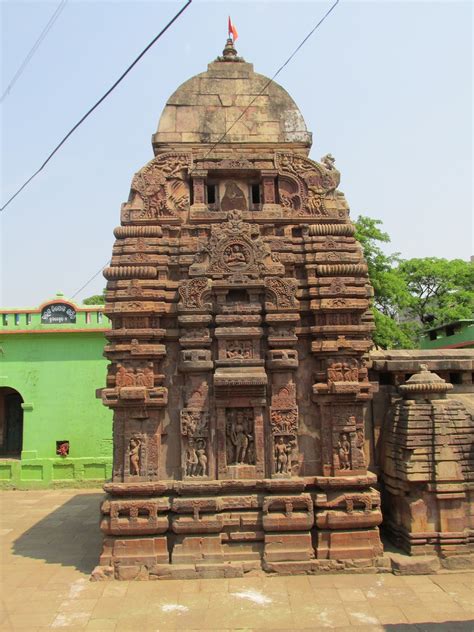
column 239, row 364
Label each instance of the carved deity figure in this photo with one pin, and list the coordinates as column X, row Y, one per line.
column 234, row 256
column 192, row 460
column 344, row 451
column 335, row 373
column 201, row 469
column 134, row 449
column 363, row 372
column 360, row 444
column 281, row 456
column 239, row 349
column 233, row 198
column 240, row 438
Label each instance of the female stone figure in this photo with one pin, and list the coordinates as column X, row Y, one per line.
column 281, row 456
column 135, row 456
column 239, row 438
column 202, row 459
column 344, row 453
column 191, row 459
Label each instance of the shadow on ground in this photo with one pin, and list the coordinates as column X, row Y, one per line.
column 69, row 535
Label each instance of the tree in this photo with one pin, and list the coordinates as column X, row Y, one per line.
column 95, row 299
column 410, row 296
column 391, row 294
column 441, row 290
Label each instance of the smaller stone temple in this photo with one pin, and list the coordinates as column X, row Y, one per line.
column 427, row 456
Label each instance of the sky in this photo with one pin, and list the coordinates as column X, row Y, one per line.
column 386, row 87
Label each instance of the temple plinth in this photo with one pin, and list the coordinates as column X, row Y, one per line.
column 239, row 300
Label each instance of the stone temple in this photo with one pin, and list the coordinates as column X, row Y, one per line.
column 238, row 372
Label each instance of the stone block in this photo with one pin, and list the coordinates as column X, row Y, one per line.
column 416, row 565
column 458, row 562
column 286, row 547
column 131, row 573
column 197, row 549
column 343, row 545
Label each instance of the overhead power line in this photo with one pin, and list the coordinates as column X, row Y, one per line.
column 96, row 105
column 91, row 279
column 57, row 12
column 243, row 112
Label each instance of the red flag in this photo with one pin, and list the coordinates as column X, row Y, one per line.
column 232, row 31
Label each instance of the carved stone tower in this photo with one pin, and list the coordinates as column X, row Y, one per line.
column 238, row 298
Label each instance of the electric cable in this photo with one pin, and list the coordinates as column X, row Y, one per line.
column 91, row 279
column 34, row 48
column 300, row 45
column 96, row 105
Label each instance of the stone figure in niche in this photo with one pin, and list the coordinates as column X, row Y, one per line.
column 201, row 469
column 363, row 372
column 344, row 452
column 234, row 198
column 349, row 373
column 192, row 459
column 360, row 444
column 335, row 372
column 234, row 256
column 134, row 449
column 282, row 451
column 240, row 437
column 141, row 376
column 145, row 377
column 239, row 349
column 343, row 372
column 124, row 377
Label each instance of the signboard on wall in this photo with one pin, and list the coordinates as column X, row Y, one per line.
column 57, row 314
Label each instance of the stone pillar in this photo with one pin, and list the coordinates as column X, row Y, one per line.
column 199, row 190
column 269, row 190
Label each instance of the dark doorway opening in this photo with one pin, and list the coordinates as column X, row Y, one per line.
column 11, row 423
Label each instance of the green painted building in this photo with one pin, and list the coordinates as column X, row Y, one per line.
column 53, row 431
column 455, row 335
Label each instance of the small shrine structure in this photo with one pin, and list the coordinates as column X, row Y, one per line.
column 238, row 298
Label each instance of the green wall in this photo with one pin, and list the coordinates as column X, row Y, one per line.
column 57, row 375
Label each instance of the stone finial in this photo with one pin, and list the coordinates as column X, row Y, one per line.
column 424, row 382
column 229, row 53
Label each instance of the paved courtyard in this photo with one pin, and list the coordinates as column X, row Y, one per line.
column 50, row 543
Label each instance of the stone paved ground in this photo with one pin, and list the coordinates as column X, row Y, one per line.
column 50, row 543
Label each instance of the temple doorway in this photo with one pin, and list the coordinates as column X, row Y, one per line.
column 11, row 423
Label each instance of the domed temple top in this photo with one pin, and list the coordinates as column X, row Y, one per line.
column 204, row 107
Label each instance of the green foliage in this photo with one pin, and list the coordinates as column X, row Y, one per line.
column 390, row 289
column 412, row 295
column 441, row 290
column 95, row 299
column 390, row 334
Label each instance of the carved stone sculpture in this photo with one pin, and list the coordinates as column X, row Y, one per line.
column 135, row 456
